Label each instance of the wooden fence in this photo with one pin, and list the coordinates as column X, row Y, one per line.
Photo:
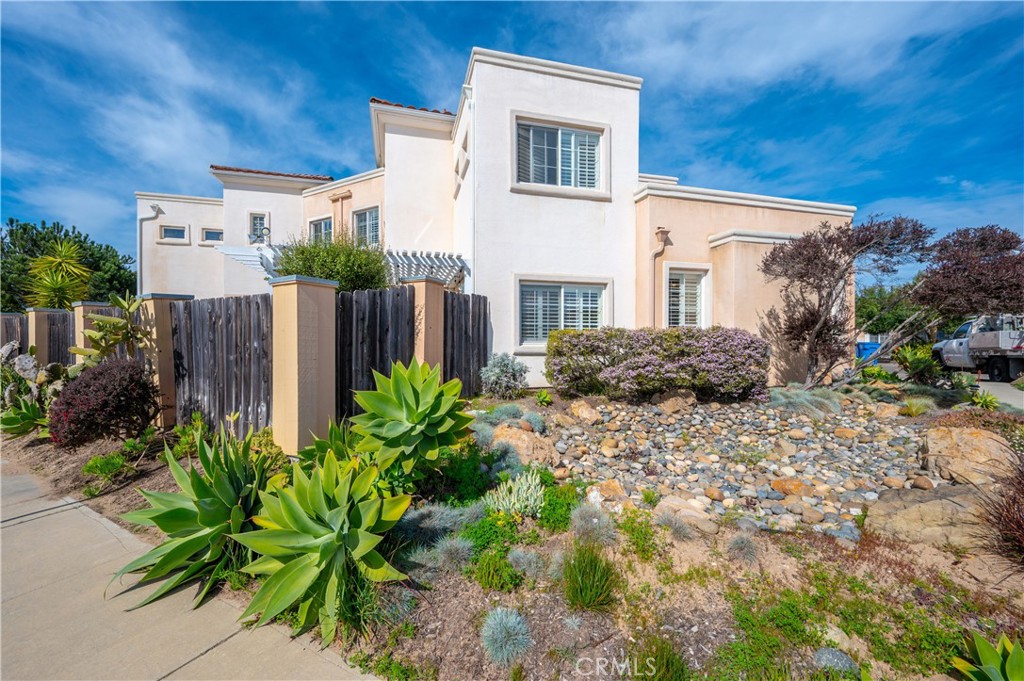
column 374, row 329
column 60, row 336
column 466, row 335
column 223, row 359
column 14, row 326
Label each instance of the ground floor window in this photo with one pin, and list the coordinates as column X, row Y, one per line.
column 547, row 307
column 685, row 298
column 259, row 228
column 321, row 230
column 366, row 224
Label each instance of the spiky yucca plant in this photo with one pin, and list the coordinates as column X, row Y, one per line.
column 409, row 417
column 319, row 532
column 199, row 520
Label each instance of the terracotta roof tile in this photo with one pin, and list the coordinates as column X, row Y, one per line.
column 301, row 176
column 377, row 100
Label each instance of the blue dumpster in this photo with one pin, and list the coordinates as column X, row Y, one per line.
column 867, row 349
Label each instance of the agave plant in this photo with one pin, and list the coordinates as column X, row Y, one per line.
column 200, row 520
column 23, row 417
column 1002, row 662
column 340, row 440
column 409, row 417
column 319, row 532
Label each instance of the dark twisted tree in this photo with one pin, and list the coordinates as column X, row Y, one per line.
column 817, row 272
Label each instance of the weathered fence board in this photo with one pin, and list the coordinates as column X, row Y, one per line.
column 222, row 360
column 374, row 329
column 466, row 339
column 60, row 336
column 14, row 327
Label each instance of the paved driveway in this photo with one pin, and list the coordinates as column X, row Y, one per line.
column 58, row 556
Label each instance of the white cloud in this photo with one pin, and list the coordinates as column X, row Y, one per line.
column 1000, row 203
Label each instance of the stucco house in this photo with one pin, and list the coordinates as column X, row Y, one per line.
column 529, row 193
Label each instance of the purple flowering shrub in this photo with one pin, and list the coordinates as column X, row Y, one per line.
column 634, row 364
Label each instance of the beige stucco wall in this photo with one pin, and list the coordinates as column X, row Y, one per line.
column 738, row 293
column 282, row 205
column 189, row 266
column 338, row 200
column 418, row 188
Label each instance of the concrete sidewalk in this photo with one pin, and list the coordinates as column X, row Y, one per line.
column 58, row 556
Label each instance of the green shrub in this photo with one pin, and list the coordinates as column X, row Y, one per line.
column 917, row 362
column 915, row 406
column 961, row 380
column 641, row 536
column 493, row 572
column 457, row 478
column 319, row 548
column 522, row 496
column 496, row 530
column 355, row 267
column 656, row 659
column 263, row 445
column 504, row 377
column 650, row 497
column 543, row 398
column 188, row 434
column 213, row 503
column 559, row 503
column 505, row 636
column 876, row 373
column 985, row 400
column 589, row 579
column 107, row 467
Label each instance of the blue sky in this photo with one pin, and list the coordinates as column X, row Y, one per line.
column 912, row 108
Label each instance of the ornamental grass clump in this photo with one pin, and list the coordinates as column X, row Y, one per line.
column 505, row 636
column 530, row 563
column 536, row 422
column 452, row 553
column 916, row 406
column 675, row 525
column 635, row 364
column 589, row 579
column 591, row 523
column 742, row 548
column 1002, row 514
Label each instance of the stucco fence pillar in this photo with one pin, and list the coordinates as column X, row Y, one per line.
column 81, row 309
column 39, row 332
column 428, row 296
column 155, row 315
column 304, row 373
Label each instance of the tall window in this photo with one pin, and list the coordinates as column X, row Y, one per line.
column 321, row 230
column 685, row 298
column 557, row 156
column 366, row 224
column 547, row 307
column 259, row 229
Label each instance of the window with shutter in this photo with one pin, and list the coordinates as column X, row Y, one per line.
column 547, row 307
column 366, row 225
column 557, row 156
column 685, row 299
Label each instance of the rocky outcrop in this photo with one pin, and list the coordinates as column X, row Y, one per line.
column 942, row 517
column 531, row 447
column 968, row 455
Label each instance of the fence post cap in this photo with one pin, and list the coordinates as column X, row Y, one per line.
column 298, row 278
column 166, row 296
column 88, row 303
column 43, row 309
column 422, row 277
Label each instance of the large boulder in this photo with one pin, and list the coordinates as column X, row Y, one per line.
column 675, row 401
column 968, row 455
column 691, row 513
column 585, row 413
column 609, row 495
column 944, row 516
column 531, row 447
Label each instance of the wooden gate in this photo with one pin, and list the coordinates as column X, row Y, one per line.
column 374, row 329
column 466, row 339
column 223, row 360
column 60, row 336
column 14, row 327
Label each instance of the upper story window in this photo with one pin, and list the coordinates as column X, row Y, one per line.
column 259, row 228
column 557, row 156
column 366, row 225
column 685, row 298
column 321, row 230
column 213, row 234
column 544, row 308
column 172, row 232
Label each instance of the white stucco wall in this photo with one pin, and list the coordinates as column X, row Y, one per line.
column 282, row 205
column 418, row 185
column 528, row 235
column 187, row 267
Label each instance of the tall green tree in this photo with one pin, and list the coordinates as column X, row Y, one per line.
column 23, row 242
column 881, row 308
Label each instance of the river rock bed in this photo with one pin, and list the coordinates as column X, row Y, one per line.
column 709, row 462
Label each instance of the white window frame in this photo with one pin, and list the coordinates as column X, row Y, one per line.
column 704, row 269
column 204, row 241
column 607, row 309
column 266, row 225
column 320, row 219
column 603, row 190
column 173, row 240
column 380, row 223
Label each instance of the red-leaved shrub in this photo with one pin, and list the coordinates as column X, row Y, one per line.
column 114, row 399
